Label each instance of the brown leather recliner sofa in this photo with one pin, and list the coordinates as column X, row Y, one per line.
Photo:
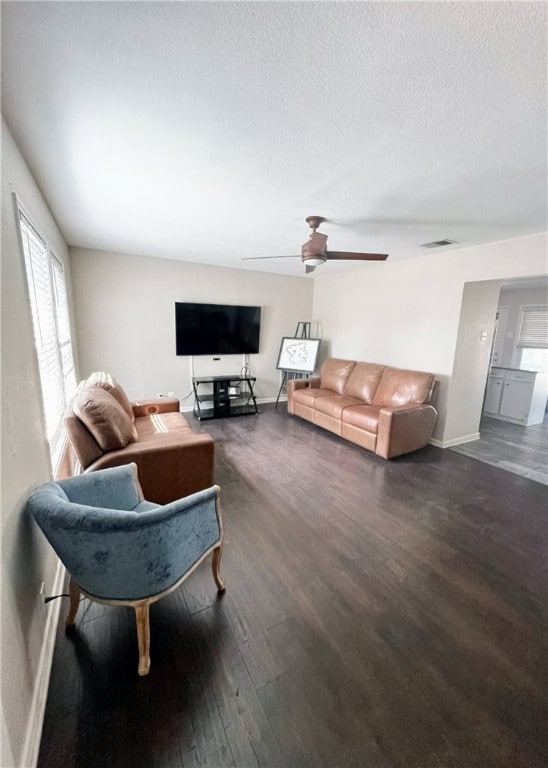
column 383, row 409
column 106, row 430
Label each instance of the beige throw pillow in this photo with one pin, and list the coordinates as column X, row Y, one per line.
column 105, row 418
column 108, row 382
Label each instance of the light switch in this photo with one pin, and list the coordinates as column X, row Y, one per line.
column 483, row 336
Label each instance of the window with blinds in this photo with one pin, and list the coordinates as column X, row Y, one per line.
column 533, row 331
column 532, row 342
column 50, row 317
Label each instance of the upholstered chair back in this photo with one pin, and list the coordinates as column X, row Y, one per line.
column 116, row 545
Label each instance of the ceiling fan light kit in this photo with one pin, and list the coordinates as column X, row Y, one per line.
column 314, row 261
column 314, row 252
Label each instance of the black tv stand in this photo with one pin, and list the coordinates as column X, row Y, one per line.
column 231, row 396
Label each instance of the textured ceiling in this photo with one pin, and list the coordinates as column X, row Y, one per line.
column 207, row 131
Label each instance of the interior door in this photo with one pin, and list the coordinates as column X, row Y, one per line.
column 501, row 323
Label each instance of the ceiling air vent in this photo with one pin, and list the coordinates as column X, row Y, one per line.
column 438, row 243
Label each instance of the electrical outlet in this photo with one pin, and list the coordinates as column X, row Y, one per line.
column 171, row 394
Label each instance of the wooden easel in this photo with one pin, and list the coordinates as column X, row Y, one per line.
column 302, row 331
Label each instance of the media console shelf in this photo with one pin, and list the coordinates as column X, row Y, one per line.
column 231, row 396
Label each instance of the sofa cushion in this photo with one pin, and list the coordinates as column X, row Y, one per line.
column 309, row 395
column 105, row 418
column 85, row 446
column 401, row 387
column 151, row 427
column 363, row 381
column 362, row 416
column 334, row 374
column 334, row 406
column 107, row 382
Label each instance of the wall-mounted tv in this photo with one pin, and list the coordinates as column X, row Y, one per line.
column 216, row 329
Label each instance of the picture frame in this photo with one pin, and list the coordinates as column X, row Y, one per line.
column 298, row 355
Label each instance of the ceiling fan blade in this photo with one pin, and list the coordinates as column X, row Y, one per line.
column 350, row 256
column 250, row 258
column 308, row 269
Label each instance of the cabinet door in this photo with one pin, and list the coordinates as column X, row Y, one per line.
column 516, row 398
column 492, row 395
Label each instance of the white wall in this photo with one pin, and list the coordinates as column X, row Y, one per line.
column 125, row 318
column 515, row 299
column 27, row 559
column 472, row 357
column 407, row 313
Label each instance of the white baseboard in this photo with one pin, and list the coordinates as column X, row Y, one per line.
column 40, row 694
column 455, row 441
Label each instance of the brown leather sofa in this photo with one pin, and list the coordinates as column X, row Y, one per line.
column 106, row 430
column 383, row 409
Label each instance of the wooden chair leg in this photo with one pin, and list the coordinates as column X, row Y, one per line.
column 143, row 636
column 215, row 565
column 74, row 592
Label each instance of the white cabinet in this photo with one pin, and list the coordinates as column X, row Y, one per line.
column 493, row 394
column 516, row 399
column 516, row 396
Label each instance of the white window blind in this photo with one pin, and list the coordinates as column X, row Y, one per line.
column 48, row 299
column 533, row 330
column 68, row 373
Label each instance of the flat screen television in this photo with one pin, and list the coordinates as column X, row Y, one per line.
column 216, row 329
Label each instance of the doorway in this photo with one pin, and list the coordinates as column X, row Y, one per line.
column 513, row 447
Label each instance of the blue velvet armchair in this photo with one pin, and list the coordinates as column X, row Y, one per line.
column 120, row 549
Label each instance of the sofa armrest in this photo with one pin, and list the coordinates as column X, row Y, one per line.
column 294, row 384
column 168, row 468
column 404, row 428
column 159, row 405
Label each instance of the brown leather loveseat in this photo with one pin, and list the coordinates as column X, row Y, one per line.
column 383, row 409
column 106, row 430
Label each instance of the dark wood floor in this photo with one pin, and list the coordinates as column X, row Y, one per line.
column 377, row 614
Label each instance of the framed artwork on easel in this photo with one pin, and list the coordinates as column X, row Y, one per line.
column 298, row 355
